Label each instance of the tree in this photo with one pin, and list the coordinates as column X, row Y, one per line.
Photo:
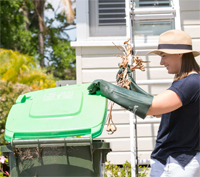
column 29, row 33
column 13, row 27
column 61, row 58
column 39, row 10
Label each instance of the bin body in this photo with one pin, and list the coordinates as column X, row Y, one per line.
column 51, row 133
column 58, row 161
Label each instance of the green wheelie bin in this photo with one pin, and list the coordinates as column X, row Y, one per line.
column 51, row 133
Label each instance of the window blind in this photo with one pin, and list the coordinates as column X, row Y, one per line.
column 111, row 12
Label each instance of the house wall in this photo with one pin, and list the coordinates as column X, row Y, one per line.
column 96, row 59
column 190, row 21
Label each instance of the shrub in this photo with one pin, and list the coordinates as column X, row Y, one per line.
column 9, row 92
column 124, row 171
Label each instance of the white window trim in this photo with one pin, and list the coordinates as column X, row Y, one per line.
column 97, row 30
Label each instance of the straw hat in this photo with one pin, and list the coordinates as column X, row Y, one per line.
column 175, row 42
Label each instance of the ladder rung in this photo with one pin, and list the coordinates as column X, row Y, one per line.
column 155, row 82
column 154, row 17
column 155, row 20
column 146, row 46
column 154, row 10
column 148, row 121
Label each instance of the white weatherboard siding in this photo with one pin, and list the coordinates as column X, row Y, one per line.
column 94, row 60
column 190, row 21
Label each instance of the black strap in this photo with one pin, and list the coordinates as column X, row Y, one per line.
column 175, row 46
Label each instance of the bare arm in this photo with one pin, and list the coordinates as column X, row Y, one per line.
column 158, row 116
column 165, row 102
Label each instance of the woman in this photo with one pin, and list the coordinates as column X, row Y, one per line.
column 177, row 145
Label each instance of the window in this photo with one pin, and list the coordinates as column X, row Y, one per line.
column 153, row 27
column 107, row 18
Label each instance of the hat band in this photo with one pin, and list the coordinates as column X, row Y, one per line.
column 175, row 46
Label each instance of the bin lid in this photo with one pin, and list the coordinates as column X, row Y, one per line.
column 57, row 112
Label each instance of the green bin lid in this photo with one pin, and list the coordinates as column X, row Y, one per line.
column 57, row 112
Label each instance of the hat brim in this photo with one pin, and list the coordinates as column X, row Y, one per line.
column 171, row 51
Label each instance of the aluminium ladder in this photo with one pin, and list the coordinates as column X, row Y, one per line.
column 146, row 15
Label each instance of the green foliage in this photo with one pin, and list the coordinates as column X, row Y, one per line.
column 143, row 171
column 16, row 67
column 14, row 33
column 18, row 74
column 8, row 95
column 4, row 165
column 20, row 30
column 1, row 174
column 116, row 171
column 63, row 61
column 60, row 55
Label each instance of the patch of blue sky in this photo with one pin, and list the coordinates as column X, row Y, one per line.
column 57, row 5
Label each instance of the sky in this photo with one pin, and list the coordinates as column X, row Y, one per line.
column 56, row 5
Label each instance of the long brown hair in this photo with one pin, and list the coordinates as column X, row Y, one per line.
column 188, row 64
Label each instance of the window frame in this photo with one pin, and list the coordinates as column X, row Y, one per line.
column 83, row 30
column 102, row 31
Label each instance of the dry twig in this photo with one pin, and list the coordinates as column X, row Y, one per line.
column 109, row 126
column 123, row 78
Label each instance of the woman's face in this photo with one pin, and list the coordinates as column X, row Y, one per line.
column 172, row 62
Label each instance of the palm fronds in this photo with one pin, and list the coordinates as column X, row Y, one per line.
column 16, row 67
column 68, row 11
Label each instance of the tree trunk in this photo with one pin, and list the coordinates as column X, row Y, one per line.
column 25, row 12
column 39, row 8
